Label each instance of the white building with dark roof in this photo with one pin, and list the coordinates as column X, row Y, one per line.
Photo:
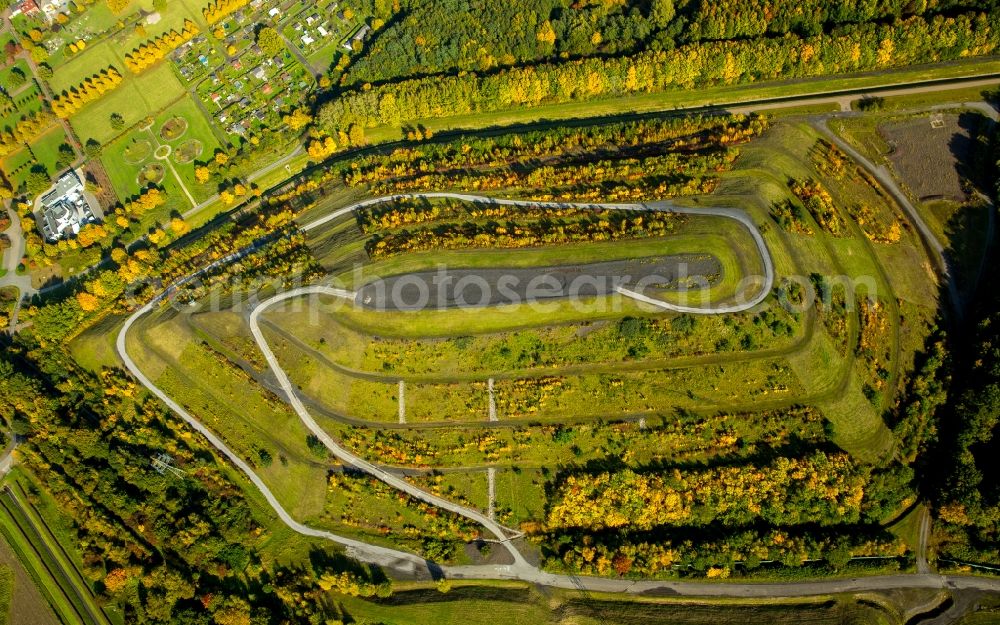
column 66, row 208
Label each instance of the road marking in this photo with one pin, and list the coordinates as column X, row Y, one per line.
column 491, row 482
column 493, row 401
column 402, row 401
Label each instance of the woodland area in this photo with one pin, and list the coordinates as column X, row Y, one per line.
column 856, row 45
column 434, row 37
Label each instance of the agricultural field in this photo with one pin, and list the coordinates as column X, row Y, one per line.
column 504, row 405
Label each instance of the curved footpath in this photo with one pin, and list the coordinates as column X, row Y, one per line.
column 663, row 206
column 521, row 569
column 343, row 454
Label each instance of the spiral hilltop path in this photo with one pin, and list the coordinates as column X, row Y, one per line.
column 521, row 569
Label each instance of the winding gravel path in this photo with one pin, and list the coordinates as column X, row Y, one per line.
column 521, row 569
column 343, row 454
column 358, row 549
column 663, row 206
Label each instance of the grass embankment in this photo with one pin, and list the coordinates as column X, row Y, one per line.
column 549, row 394
column 759, row 179
column 259, row 426
column 820, row 369
column 790, row 151
column 471, row 603
column 52, row 569
column 626, row 343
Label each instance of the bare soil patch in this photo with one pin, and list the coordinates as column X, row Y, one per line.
column 931, row 153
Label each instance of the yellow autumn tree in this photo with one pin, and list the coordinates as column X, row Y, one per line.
column 546, row 34
column 87, row 302
column 179, row 226
column 115, row 581
column 298, row 119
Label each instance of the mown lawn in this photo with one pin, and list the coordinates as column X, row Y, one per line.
column 121, row 161
column 44, row 151
column 137, row 98
column 6, row 74
column 171, row 18
column 248, row 418
column 83, row 65
column 26, row 102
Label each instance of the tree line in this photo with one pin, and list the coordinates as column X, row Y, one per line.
column 219, row 9
column 612, row 226
column 93, row 88
column 436, row 37
column 148, row 53
column 851, row 48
